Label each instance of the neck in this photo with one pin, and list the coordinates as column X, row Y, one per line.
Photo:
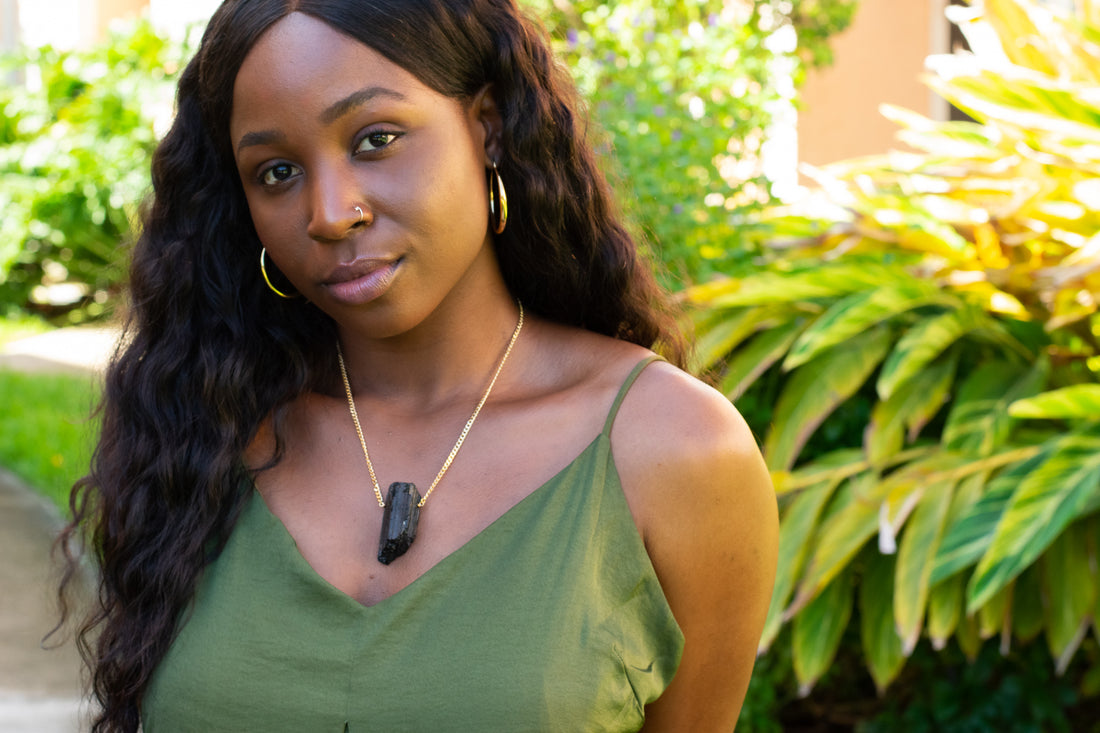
column 448, row 356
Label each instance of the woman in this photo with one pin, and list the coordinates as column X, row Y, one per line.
column 379, row 254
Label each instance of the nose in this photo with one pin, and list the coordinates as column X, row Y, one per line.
column 336, row 206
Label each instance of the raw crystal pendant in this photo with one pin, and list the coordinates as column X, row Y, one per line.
column 399, row 520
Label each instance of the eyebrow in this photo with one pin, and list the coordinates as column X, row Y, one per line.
column 331, row 114
column 264, row 137
column 355, row 99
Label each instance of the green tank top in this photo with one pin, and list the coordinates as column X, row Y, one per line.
column 550, row 619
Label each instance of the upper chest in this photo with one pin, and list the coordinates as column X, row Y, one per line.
column 323, row 493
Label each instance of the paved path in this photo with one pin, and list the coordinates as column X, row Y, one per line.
column 40, row 689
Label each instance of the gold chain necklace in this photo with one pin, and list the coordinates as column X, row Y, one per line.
column 403, row 502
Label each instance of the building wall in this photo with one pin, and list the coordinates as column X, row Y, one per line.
column 111, row 10
column 878, row 59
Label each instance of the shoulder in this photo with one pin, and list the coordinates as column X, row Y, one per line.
column 704, row 504
column 672, row 426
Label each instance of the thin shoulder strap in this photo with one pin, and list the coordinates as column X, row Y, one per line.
column 626, row 388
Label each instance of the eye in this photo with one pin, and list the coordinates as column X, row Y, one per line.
column 278, row 173
column 375, row 140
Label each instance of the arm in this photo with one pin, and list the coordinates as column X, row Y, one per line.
column 704, row 502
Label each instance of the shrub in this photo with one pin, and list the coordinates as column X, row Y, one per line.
column 684, row 93
column 75, row 146
column 947, row 304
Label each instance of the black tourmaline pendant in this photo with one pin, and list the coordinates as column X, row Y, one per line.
column 399, row 520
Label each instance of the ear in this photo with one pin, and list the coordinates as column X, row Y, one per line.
column 484, row 112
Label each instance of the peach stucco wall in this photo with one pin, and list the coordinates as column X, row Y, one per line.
column 109, row 10
column 877, row 59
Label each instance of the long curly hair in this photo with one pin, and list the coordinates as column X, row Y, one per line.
column 208, row 352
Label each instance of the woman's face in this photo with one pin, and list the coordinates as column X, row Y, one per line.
column 322, row 124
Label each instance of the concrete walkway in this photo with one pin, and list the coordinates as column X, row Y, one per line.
column 40, row 688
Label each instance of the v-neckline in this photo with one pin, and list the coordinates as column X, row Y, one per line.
column 601, row 440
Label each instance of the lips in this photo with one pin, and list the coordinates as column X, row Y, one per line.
column 362, row 280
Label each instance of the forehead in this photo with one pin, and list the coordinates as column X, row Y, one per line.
column 302, row 64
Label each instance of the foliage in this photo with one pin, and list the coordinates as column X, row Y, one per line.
column 684, row 92
column 1017, row 694
column 75, row 144
column 45, row 433
column 75, row 140
column 953, row 291
column 816, row 21
column 18, row 327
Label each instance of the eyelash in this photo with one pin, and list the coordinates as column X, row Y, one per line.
column 389, row 136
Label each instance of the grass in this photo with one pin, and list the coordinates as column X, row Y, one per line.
column 13, row 328
column 46, row 431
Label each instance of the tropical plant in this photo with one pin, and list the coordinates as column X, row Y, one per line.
column 75, row 145
column 946, row 301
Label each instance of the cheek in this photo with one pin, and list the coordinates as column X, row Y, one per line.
column 272, row 222
column 461, row 200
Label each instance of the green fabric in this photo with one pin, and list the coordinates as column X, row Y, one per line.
column 551, row 619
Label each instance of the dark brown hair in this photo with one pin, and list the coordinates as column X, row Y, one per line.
column 209, row 352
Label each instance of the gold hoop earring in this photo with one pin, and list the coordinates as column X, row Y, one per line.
column 263, row 270
column 496, row 192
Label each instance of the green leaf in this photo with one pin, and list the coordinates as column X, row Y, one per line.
column 833, row 466
column 881, row 646
column 1027, row 605
column 925, row 341
column 845, row 531
column 792, row 287
column 979, row 422
column 916, row 402
column 765, row 348
column 858, row 312
column 945, row 606
column 795, row 530
column 1046, row 501
column 1070, row 590
column 817, row 631
column 918, row 547
column 968, row 636
column 968, row 537
column 993, row 616
column 815, row 390
column 718, row 338
column 1079, row 401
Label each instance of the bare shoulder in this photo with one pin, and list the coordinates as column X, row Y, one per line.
column 706, row 509
column 673, row 426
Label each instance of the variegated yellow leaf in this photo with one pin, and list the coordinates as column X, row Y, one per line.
column 911, row 406
column 815, row 390
column 1027, row 605
column 1080, row 401
column 945, row 607
column 919, row 543
column 858, row 312
column 817, row 631
column 979, row 422
column 752, row 360
column 881, row 646
column 718, row 339
column 925, row 341
column 1045, row 502
column 968, row 537
column 795, row 531
column 1070, row 590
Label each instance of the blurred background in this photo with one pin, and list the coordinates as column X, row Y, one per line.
column 882, row 218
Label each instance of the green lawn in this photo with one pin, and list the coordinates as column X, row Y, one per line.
column 13, row 328
column 45, row 429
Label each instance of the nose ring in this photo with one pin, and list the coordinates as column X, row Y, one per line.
column 362, row 216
